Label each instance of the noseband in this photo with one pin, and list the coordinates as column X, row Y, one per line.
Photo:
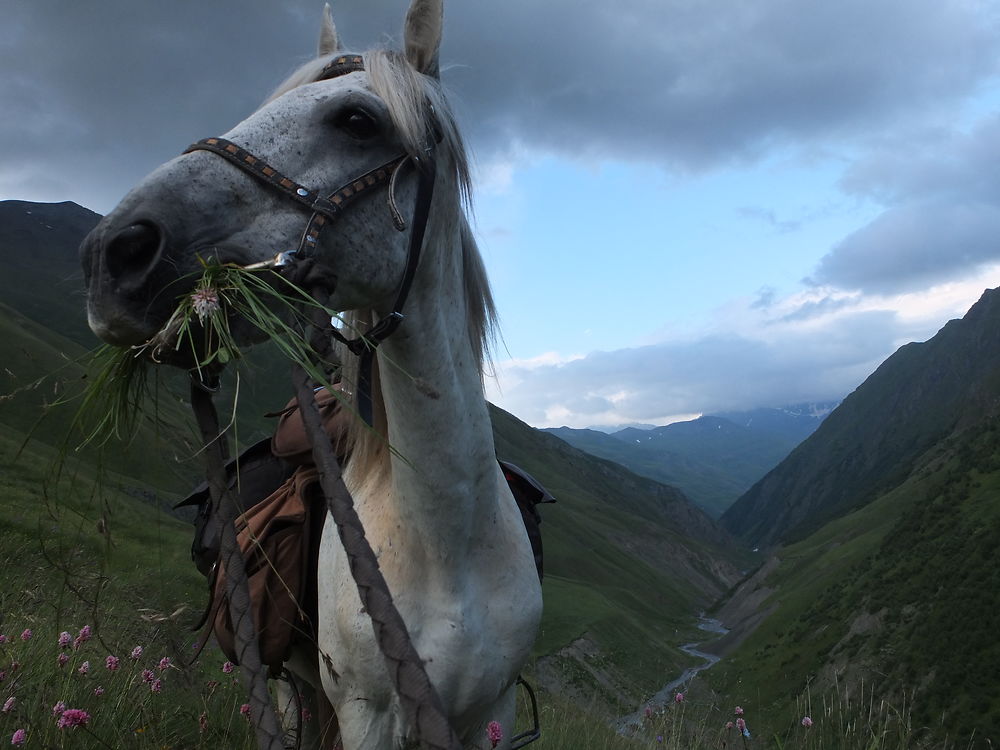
column 326, row 211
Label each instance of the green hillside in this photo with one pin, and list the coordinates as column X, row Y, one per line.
column 888, row 575
column 900, row 594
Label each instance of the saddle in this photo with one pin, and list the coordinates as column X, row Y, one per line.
column 282, row 511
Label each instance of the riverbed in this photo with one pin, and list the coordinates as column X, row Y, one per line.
column 624, row 724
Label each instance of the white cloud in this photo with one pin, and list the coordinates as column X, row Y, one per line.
column 746, row 357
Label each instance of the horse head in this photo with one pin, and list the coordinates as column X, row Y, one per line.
column 351, row 133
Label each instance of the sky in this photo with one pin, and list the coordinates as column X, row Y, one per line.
column 685, row 206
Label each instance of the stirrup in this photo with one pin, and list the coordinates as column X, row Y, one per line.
column 529, row 735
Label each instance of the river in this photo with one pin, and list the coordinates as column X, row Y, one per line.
column 666, row 694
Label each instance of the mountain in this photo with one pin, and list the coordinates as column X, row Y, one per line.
column 793, row 423
column 629, row 562
column 872, row 441
column 884, row 566
column 42, row 278
column 712, row 459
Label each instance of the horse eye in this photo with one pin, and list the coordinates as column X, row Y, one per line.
column 358, row 124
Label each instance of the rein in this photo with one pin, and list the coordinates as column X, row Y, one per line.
column 417, row 694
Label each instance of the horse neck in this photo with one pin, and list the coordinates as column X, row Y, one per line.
column 443, row 469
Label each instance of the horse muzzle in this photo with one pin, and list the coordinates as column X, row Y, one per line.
column 127, row 275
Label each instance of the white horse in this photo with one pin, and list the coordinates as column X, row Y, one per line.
column 439, row 515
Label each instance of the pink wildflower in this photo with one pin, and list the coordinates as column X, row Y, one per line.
column 306, row 715
column 3, row 675
column 18, row 738
column 203, row 722
column 65, row 639
column 62, row 659
column 112, row 663
column 73, row 717
column 205, row 302
column 738, row 711
column 83, row 637
column 156, row 686
column 494, row 732
column 57, row 710
column 164, row 663
column 648, row 712
column 98, row 690
column 26, row 635
column 741, row 724
column 8, row 705
column 227, row 667
column 147, row 675
column 245, row 711
column 136, row 652
column 679, row 698
column 3, row 638
column 84, row 668
column 807, row 722
column 729, row 725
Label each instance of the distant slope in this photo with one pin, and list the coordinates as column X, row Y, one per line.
column 42, row 278
column 628, row 560
column 793, row 423
column 713, row 459
column 871, row 442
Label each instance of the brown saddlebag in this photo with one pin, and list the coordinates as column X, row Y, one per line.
column 277, row 537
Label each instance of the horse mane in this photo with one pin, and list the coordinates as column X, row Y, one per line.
column 420, row 112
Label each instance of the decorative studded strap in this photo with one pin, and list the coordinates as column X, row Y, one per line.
column 324, row 209
column 341, row 198
column 267, row 174
column 340, row 66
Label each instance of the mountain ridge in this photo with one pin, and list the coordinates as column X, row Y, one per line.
column 712, row 459
column 918, row 396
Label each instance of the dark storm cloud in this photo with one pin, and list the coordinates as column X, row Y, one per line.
column 99, row 93
column 942, row 216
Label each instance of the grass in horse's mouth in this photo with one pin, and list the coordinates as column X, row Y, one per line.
column 199, row 334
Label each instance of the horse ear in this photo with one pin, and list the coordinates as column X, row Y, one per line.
column 328, row 42
column 422, row 35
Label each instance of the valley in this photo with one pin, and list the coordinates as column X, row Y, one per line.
column 875, row 523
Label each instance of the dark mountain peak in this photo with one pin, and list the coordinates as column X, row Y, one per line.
column 870, row 443
column 63, row 211
column 42, row 278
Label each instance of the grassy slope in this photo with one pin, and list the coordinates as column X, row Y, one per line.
column 619, row 572
column 900, row 593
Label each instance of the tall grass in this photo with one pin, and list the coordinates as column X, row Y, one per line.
column 838, row 719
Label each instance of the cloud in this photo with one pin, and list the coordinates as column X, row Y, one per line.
column 714, row 373
column 941, row 219
column 98, row 94
column 695, row 84
column 811, row 346
column 914, row 246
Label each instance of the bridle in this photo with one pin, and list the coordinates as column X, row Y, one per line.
column 325, row 211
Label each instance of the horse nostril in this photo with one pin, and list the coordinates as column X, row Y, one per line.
column 134, row 251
